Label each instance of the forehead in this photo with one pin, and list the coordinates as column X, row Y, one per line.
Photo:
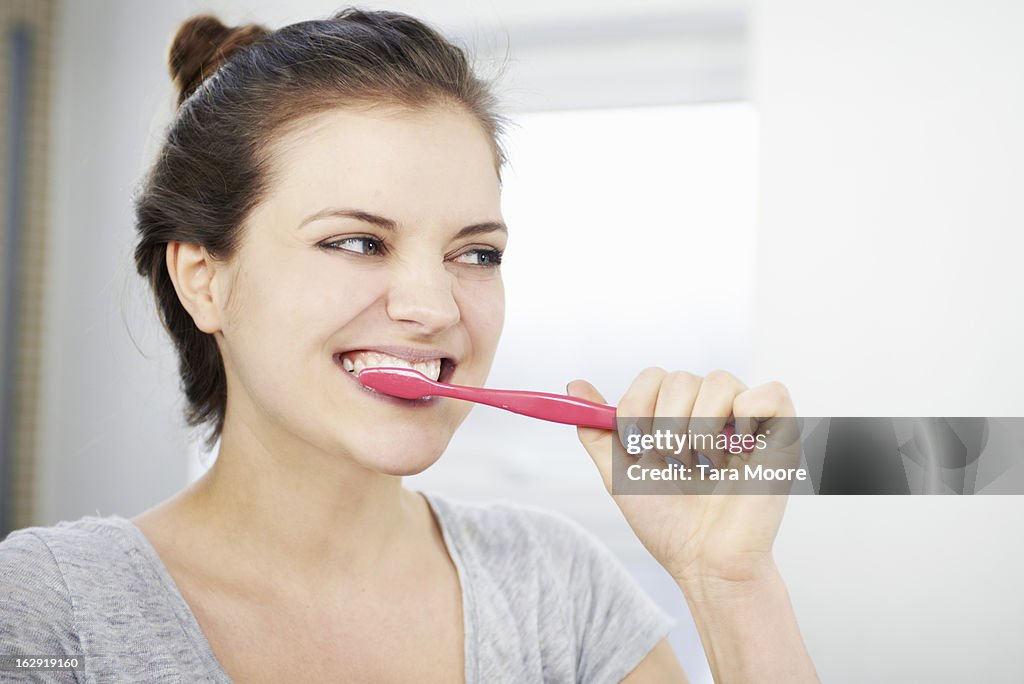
column 436, row 161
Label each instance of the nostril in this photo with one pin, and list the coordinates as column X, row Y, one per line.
column 431, row 309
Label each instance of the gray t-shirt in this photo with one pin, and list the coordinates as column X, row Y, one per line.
column 543, row 601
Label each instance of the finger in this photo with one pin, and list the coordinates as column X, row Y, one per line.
column 768, row 410
column 638, row 402
column 749, row 408
column 676, row 395
column 757, row 405
column 745, row 425
column 712, row 410
column 597, row 442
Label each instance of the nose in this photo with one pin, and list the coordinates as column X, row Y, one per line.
column 423, row 297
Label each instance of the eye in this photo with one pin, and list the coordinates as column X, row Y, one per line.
column 480, row 257
column 370, row 246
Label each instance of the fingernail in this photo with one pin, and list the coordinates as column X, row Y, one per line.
column 632, row 435
column 675, row 463
column 704, row 460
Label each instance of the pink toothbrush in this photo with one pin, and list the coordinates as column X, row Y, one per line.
column 407, row 383
column 558, row 408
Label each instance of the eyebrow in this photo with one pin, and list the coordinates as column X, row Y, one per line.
column 388, row 224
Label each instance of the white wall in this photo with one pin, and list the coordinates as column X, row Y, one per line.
column 892, row 165
column 889, row 283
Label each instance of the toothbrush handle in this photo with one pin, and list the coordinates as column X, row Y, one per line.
column 557, row 408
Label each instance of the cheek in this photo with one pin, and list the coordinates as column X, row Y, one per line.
column 327, row 297
column 483, row 310
column 287, row 308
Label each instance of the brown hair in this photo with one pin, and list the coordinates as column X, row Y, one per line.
column 238, row 89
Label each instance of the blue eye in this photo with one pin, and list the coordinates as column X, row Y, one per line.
column 487, row 258
column 370, row 246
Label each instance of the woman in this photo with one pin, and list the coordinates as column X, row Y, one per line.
column 328, row 198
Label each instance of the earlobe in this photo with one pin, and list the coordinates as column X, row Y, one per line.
column 191, row 270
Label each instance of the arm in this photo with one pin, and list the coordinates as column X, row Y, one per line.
column 749, row 633
column 749, row 630
column 659, row 667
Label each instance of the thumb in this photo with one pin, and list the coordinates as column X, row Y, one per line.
column 581, row 389
column 596, row 441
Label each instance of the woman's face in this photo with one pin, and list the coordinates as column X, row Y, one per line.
column 376, row 245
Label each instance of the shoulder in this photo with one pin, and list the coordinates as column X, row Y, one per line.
column 540, row 572
column 91, row 539
column 37, row 566
column 47, row 559
column 27, row 566
column 505, row 527
column 511, row 542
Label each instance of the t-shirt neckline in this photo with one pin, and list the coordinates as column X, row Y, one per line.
column 201, row 645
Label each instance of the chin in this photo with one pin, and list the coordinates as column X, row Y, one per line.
column 402, row 455
column 402, row 467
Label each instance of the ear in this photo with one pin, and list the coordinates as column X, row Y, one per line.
column 192, row 271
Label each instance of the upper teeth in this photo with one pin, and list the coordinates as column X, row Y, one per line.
column 357, row 361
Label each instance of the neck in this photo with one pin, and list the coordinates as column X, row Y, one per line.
column 285, row 512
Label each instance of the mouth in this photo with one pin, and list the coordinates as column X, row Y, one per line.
column 430, row 363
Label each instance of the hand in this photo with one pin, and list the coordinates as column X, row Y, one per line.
column 700, row 539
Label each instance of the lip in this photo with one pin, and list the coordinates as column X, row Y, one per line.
column 411, row 354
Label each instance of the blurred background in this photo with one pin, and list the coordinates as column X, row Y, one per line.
column 823, row 193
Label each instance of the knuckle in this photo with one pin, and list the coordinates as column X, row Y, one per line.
column 720, row 378
column 744, row 402
column 680, row 379
column 777, row 390
column 656, row 371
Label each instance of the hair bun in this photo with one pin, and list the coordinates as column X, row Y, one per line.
column 201, row 45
